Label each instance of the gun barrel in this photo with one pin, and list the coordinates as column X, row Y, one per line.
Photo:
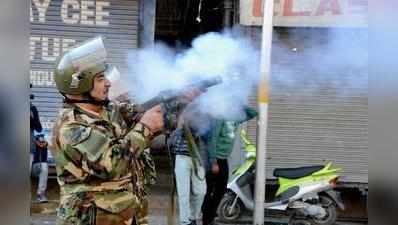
column 169, row 95
column 151, row 103
column 204, row 84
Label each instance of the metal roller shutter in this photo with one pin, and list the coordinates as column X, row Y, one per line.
column 57, row 25
column 316, row 114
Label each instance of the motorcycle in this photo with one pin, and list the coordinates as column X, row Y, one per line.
column 306, row 194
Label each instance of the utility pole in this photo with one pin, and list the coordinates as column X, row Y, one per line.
column 263, row 100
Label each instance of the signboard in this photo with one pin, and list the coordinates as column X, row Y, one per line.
column 56, row 25
column 308, row 13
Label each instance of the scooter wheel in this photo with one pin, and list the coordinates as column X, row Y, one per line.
column 331, row 212
column 226, row 210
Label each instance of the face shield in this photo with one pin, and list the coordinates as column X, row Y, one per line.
column 88, row 55
column 118, row 83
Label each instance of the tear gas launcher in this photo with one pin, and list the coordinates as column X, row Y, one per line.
column 172, row 102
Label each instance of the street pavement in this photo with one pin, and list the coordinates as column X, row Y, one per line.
column 44, row 214
column 159, row 218
column 159, row 201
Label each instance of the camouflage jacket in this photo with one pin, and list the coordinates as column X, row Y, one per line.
column 101, row 155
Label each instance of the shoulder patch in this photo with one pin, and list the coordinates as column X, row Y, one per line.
column 74, row 134
column 87, row 140
column 94, row 146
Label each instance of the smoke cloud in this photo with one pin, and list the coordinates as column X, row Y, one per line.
column 305, row 62
column 226, row 54
column 321, row 60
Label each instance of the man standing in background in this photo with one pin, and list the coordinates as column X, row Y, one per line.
column 221, row 142
column 35, row 125
column 190, row 154
column 40, row 165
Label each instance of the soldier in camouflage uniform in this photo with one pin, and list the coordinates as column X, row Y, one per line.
column 99, row 150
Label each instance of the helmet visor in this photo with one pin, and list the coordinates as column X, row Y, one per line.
column 89, row 54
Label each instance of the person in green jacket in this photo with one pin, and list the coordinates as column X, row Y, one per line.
column 220, row 142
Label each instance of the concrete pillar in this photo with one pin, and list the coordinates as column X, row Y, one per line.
column 147, row 23
column 228, row 12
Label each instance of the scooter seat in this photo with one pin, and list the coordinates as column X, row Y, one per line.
column 294, row 173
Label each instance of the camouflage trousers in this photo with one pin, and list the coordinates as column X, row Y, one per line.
column 77, row 211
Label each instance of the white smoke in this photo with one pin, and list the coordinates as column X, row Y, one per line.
column 309, row 62
column 321, row 60
column 226, row 54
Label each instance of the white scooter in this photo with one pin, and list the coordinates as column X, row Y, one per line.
column 305, row 193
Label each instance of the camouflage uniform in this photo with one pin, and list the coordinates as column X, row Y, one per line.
column 101, row 166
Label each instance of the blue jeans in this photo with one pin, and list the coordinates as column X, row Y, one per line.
column 42, row 173
column 191, row 188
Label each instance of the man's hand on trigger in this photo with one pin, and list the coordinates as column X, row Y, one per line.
column 153, row 119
